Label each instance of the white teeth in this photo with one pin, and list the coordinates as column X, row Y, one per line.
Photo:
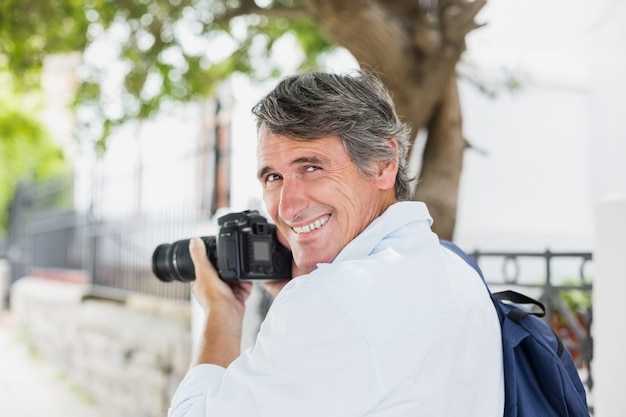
column 309, row 227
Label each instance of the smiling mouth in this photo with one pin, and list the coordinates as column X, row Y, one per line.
column 310, row 227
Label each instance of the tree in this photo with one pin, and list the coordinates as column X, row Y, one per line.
column 26, row 148
column 178, row 50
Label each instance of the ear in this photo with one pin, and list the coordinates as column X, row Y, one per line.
column 388, row 170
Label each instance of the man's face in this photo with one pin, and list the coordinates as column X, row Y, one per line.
column 317, row 196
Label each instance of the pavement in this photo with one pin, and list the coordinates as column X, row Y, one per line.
column 32, row 387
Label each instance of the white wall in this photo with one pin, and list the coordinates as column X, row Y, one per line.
column 531, row 188
column 609, row 288
column 555, row 146
column 608, row 111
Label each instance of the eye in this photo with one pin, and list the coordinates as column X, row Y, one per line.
column 272, row 177
column 312, row 168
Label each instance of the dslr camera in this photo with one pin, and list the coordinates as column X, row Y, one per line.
column 246, row 248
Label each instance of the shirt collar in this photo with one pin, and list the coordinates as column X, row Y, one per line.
column 396, row 216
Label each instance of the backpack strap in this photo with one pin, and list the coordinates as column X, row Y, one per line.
column 517, row 298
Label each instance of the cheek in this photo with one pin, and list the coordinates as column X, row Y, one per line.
column 282, row 239
column 271, row 205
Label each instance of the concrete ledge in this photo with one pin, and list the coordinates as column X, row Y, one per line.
column 129, row 357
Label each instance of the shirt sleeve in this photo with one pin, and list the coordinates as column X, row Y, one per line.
column 310, row 359
column 198, row 384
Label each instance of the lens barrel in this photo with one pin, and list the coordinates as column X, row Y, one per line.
column 172, row 262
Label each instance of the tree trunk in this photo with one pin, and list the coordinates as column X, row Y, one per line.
column 414, row 48
column 442, row 163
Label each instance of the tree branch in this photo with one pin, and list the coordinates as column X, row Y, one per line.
column 458, row 19
column 370, row 32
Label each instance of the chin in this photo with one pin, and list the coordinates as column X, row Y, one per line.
column 307, row 266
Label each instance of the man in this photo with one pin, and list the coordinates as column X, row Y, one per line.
column 379, row 319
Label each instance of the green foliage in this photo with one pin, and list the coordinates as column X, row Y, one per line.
column 576, row 300
column 163, row 50
column 26, row 151
column 30, row 29
column 311, row 40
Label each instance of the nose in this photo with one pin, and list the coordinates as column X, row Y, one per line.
column 292, row 199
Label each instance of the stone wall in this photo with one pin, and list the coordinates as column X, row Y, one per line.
column 128, row 357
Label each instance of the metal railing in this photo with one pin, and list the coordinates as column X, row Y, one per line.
column 113, row 254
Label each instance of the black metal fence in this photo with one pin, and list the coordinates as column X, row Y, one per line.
column 42, row 228
column 49, row 237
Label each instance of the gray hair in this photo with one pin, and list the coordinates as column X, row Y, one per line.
column 356, row 107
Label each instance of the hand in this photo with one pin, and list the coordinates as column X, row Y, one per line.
column 224, row 306
column 210, row 291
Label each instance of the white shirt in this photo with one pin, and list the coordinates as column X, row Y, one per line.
column 396, row 325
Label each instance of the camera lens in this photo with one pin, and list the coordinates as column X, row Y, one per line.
column 172, row 262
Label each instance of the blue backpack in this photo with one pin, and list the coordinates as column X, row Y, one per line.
column 540, row 377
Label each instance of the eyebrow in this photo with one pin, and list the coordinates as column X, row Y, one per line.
column 263, row 171
column 298, row 161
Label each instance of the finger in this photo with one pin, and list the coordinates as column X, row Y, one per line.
column 242, row 290
column 201, row 264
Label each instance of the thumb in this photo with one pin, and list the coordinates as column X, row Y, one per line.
column 197, row 251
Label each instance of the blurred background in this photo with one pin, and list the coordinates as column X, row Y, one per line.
column 127, row 124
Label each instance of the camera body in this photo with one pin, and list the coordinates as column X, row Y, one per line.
column 245, row 248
